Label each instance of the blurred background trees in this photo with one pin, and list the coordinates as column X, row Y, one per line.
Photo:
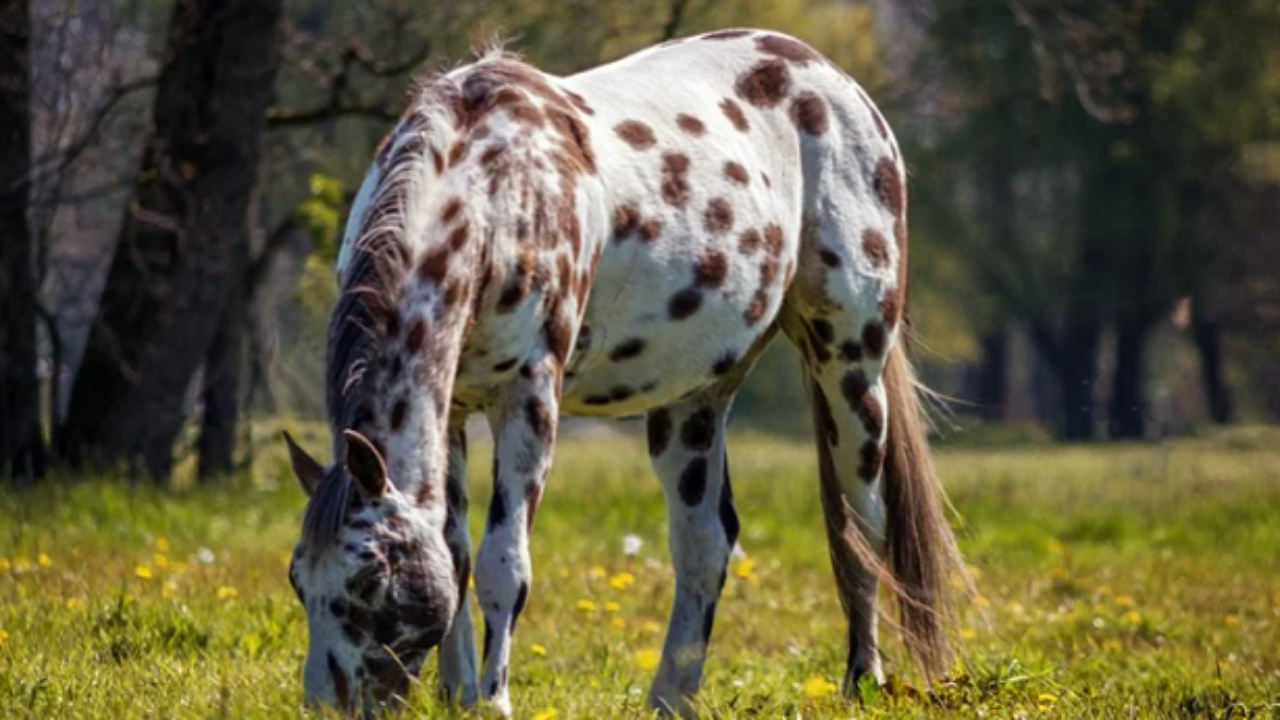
column 1094, row 203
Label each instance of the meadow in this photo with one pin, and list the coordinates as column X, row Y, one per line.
column 1115, row 581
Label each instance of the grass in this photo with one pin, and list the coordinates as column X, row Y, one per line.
column 1130, row 581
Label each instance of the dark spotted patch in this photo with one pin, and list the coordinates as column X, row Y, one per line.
column 398, row 412
column 451, row 210
column 435, row 264
column 768, row 271
column 728, row 515
column 684, row 303
column 417, row 335
column 691, row 124
column 888, row 186
column 658, row 426
column 675, row 178
column 854, row 386
column 513, row 294
column 579, row 102
column 875, row 248
column 726, row 34
column 872, row 457
column 788, row 49
column 650, row 229
column 809, row 113
column 850, row 351
column 873, row 339
column 458, row 238
column 765, row 177
column 340, row 682
column 457, row 152
column 825, row 332
column 773, row 239
column 736, row 173
column 693, row 481
column 829, row 258
column 596, row 400
column 522, row 596
column 491, row 154
column 437, row 160
column 890, row 309
column 488, row 641
column 497, row 505
column 725, row 363
column 626, row 218
column 539, row 419
column 766, row 84
column 636, row 134
column 558, row 333
column 618, row 393
column 749, row 242
column 712, row 269
column 392, row 325
column 733, row 111
column 699, row 430
column 872, row 415
column 627, row 349
column 758, row 307
column 719, row 215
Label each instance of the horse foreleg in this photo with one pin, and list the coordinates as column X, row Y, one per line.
column 458, row 664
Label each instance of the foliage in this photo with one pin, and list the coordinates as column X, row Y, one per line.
column 321, row 216
column 1133, row 581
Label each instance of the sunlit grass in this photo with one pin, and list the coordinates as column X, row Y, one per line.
column 1115, row 582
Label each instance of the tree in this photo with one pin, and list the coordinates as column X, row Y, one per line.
column 184, row 243
column 22, row 451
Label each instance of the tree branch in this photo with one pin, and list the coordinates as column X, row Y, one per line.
column 338, row 106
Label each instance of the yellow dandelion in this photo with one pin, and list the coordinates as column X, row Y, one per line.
column 586, row 605
column 4, row 638
column 612, row 606
column 546, row 714
column 21, row 565
column 618, row 623
column 1046, row 699
column 648, row 659
column 160, row 561
column 968, row 633
column 1125, row 601
column 598, row 572
column 44, row 560
column 622, row 581
column 143, row 572
column 538, row 650
column 5, row 565
column 1233, row 620
column 75, row 604
column 226, row 592
column 1133, row 617
column 745, row 568
column 818, row 687
column 162, row 545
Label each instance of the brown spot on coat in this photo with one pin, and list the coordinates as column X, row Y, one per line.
column 875, row 248
column 457, row 152
column 749, row 242
column 658, row 426
column 626, row 218
column 726, row 34
column 451, row 210
column 558, row 335
column 636, row 134
column 733, row 111
column 888, row 186
column 458, row 238
column 580, row 102
column 765, row 84
column 712, row 269
column 872, row 456
column 691, row 124
column 627, row 349
column 809, row 113
column 417, row 335
column 773, row 239
column 873, row 339
column 788, row 49
column 850, row 351
column 435, row 264
column 539, row 418
column 890, row 308
column 758, row 307
column 719, row 216
column 650, row 229
column 736, row 173
column 675, row 178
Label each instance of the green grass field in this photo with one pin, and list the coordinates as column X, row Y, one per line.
column 1135, row 581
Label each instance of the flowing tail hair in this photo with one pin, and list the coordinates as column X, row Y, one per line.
column 924, row 563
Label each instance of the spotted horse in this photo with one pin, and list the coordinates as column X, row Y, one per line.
column 623, row 241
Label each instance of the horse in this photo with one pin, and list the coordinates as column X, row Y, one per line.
column 625, row 241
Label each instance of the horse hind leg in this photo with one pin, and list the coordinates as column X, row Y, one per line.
column 687, row 448
column 458, row 664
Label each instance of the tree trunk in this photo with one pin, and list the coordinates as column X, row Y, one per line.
column 1077, row 373
column 22, row 452
column 1208, row 338
column 184, row 244
column 223, row 370
column 1128, row 405
column 993, row 376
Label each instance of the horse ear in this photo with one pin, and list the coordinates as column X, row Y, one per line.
column 365, row 465
column 308, row 471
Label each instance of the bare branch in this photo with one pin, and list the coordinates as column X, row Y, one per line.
column 338, row 105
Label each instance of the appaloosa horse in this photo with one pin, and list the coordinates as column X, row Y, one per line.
column 623, row 241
